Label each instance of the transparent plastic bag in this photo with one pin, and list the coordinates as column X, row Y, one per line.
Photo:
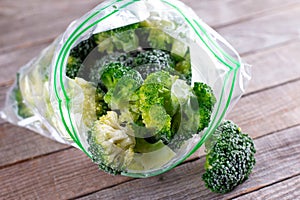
column 47, row 101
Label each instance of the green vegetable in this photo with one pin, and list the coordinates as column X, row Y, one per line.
column 153, row 60
column 111, row 74
column 139, row 104
column 77, row 56
column 23, row 110
column 123, row 38
column 110, row 143
column 206, row 101
column 230, row 158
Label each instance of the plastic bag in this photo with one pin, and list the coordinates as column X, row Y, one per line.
column 51, row 102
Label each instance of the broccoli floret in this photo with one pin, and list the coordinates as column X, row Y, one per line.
column 123, row 38
column 111, row 73
column 73, row 67
column 154, row 60
column 153, row 97
column 183, row 66
column 101, row 105
column 185, row 122
column 206, row 101
column 157, row 38
column 77, row 56
column 230, row 158
column 111, row 145
column 23, row 110
column 83, row 49
column 123, row 96
column 166, row 80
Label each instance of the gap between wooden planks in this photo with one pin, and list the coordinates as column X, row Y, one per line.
column 276, row 153
column 277, row 159
column 240, row 35
column 284, row 190
column 50, row 18
column 72, row 168
column 262, row 78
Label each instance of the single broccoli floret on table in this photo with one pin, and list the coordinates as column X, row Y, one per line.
column 230, row 158
column 110, row 143
column 206, row 101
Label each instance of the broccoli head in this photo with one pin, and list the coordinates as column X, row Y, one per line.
column 73, row 66
column 153, row 60
column 111, row 145
column 206, row 101
column 123, row 96
column 77, row 56
column 123, row 38
column 111, row 73
column 230, row 158
column 157, row 105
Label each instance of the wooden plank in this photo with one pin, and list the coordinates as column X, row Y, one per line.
column 50, row 18
column 288, row 189
column 285, row 190
column 268, row 111
column 18, row 143
column 264, row 32
column 11, row 62
column 220, row 13
column 25, row 23
column 255, row 109
column 253, row 113
column 274, row 66
column 277, row 158
column 268, row 35
column 60, row 175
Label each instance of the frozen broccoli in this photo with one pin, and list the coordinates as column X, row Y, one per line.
column 23, row 110
column 154, row 60
column 157, row 38
column 230, row 158
column 157, row 105
column 123, row 96
column 73, row 67
column 123, row 38
column 111, row 73
column 110, row 143
column 101, row 105
column 77, row 56
column 206, row 101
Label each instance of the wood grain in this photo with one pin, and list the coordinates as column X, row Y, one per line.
column 239, row 34
column 50, row 18
column 285, row 190
column 274, row 66
column 255, row 118
column 264, row 32
column 17, row 144
column 61, row 175
column 221, row 13
column 268, row 111
column 275, row 153
column 27, row 22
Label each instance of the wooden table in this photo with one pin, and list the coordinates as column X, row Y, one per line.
column 266, row 33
